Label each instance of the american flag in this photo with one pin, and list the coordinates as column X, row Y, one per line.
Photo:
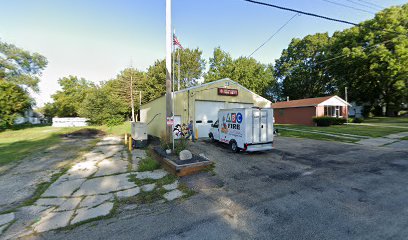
column 176, row 42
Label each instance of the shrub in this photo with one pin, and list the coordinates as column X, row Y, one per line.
column 358, row 120
column 165, row 142
column 327, row 121
column 148, row 164
column 180, row 145
column 114, row 121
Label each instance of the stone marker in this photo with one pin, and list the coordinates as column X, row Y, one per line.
column 128, row 193
column 185, row 155
column 148, row 187
column 171, row 186
column 89, row 213
column 92, row 201
column 53, row 220
column 173, row 195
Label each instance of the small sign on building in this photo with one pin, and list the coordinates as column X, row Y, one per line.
column 227, row 92
column 170, row 121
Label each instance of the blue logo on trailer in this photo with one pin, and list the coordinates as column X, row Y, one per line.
column 239, row 117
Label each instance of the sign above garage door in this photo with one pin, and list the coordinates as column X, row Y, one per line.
column 227, row 91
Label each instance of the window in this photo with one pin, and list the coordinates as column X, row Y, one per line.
column 210, row 121
column 199, row 121
column 333, row 111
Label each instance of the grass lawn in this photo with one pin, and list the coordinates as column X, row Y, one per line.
column 296, row 134
column 17, row 144
column 381, row 127
column 388, row 121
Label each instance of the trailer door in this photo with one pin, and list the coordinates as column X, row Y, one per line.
column 255, row 126
column 264, row 126
column 259, row 126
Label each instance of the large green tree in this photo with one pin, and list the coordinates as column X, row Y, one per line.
column 103, row 106
column 191, row 66
column 68, row 100
column 20, row 66
column 252, row 74
column 13, row 101
column 300, row 70
column 375, row 62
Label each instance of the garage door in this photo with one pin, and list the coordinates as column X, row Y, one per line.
column 206, row 113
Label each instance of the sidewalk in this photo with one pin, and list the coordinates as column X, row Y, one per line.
column 89, row 190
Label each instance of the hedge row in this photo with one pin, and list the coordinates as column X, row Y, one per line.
column 327, row 121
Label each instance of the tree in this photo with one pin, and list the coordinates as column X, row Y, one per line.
column 102, row 106
column 155, row 85
column 13, row 101
column 21, row 67
column 121, row 86
column 191, row 65
column 375, row 66
column 300, row 69
column 68, row 100
column 252, row 74
column 221, row 65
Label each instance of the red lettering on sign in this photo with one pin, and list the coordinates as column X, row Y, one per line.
column 227, row 92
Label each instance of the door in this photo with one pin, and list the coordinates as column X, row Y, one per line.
column 259, row 126
column 256, row 125
column 206, row 113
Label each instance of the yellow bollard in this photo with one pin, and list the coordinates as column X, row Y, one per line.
column 196, row 134
column 126, row 138
column 130, row 143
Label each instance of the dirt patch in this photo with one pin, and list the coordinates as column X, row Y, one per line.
column 85, row 133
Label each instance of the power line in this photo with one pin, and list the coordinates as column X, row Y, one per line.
column 347, row 6
column 364, row 5
column 284, row 25
column 302, row 12
column 322, row 17
column 373, row 4
column 344, row 55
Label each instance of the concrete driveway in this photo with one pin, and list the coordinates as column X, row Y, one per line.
column 305, row 189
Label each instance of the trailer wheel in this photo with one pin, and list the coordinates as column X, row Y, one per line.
column 234, row 147
column 211, row 137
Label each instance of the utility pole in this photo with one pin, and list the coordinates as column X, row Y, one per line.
column 169, row 43
column 345, row 92
column 131, row 96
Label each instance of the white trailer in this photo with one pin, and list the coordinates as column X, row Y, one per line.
column 246, row 129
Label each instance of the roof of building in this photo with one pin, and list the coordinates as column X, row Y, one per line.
column 307, row 102
column 229, row 83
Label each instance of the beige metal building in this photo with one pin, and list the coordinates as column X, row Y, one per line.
column 200, row 104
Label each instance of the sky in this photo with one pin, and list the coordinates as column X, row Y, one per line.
column 96, row 39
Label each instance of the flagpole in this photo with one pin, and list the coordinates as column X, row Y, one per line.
column 179, row 65
column 172, row 84
column 169, row 43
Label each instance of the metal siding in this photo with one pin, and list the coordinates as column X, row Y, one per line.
column 184, row 105
column 149, row 110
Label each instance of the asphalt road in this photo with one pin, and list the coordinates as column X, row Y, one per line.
column 304, row 189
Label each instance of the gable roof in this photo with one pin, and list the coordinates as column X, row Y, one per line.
column 307, row 102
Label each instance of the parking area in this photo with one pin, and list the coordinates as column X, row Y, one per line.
column 304, row 189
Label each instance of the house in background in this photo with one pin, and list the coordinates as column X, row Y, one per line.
column 302, row 111
column 30, row 116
